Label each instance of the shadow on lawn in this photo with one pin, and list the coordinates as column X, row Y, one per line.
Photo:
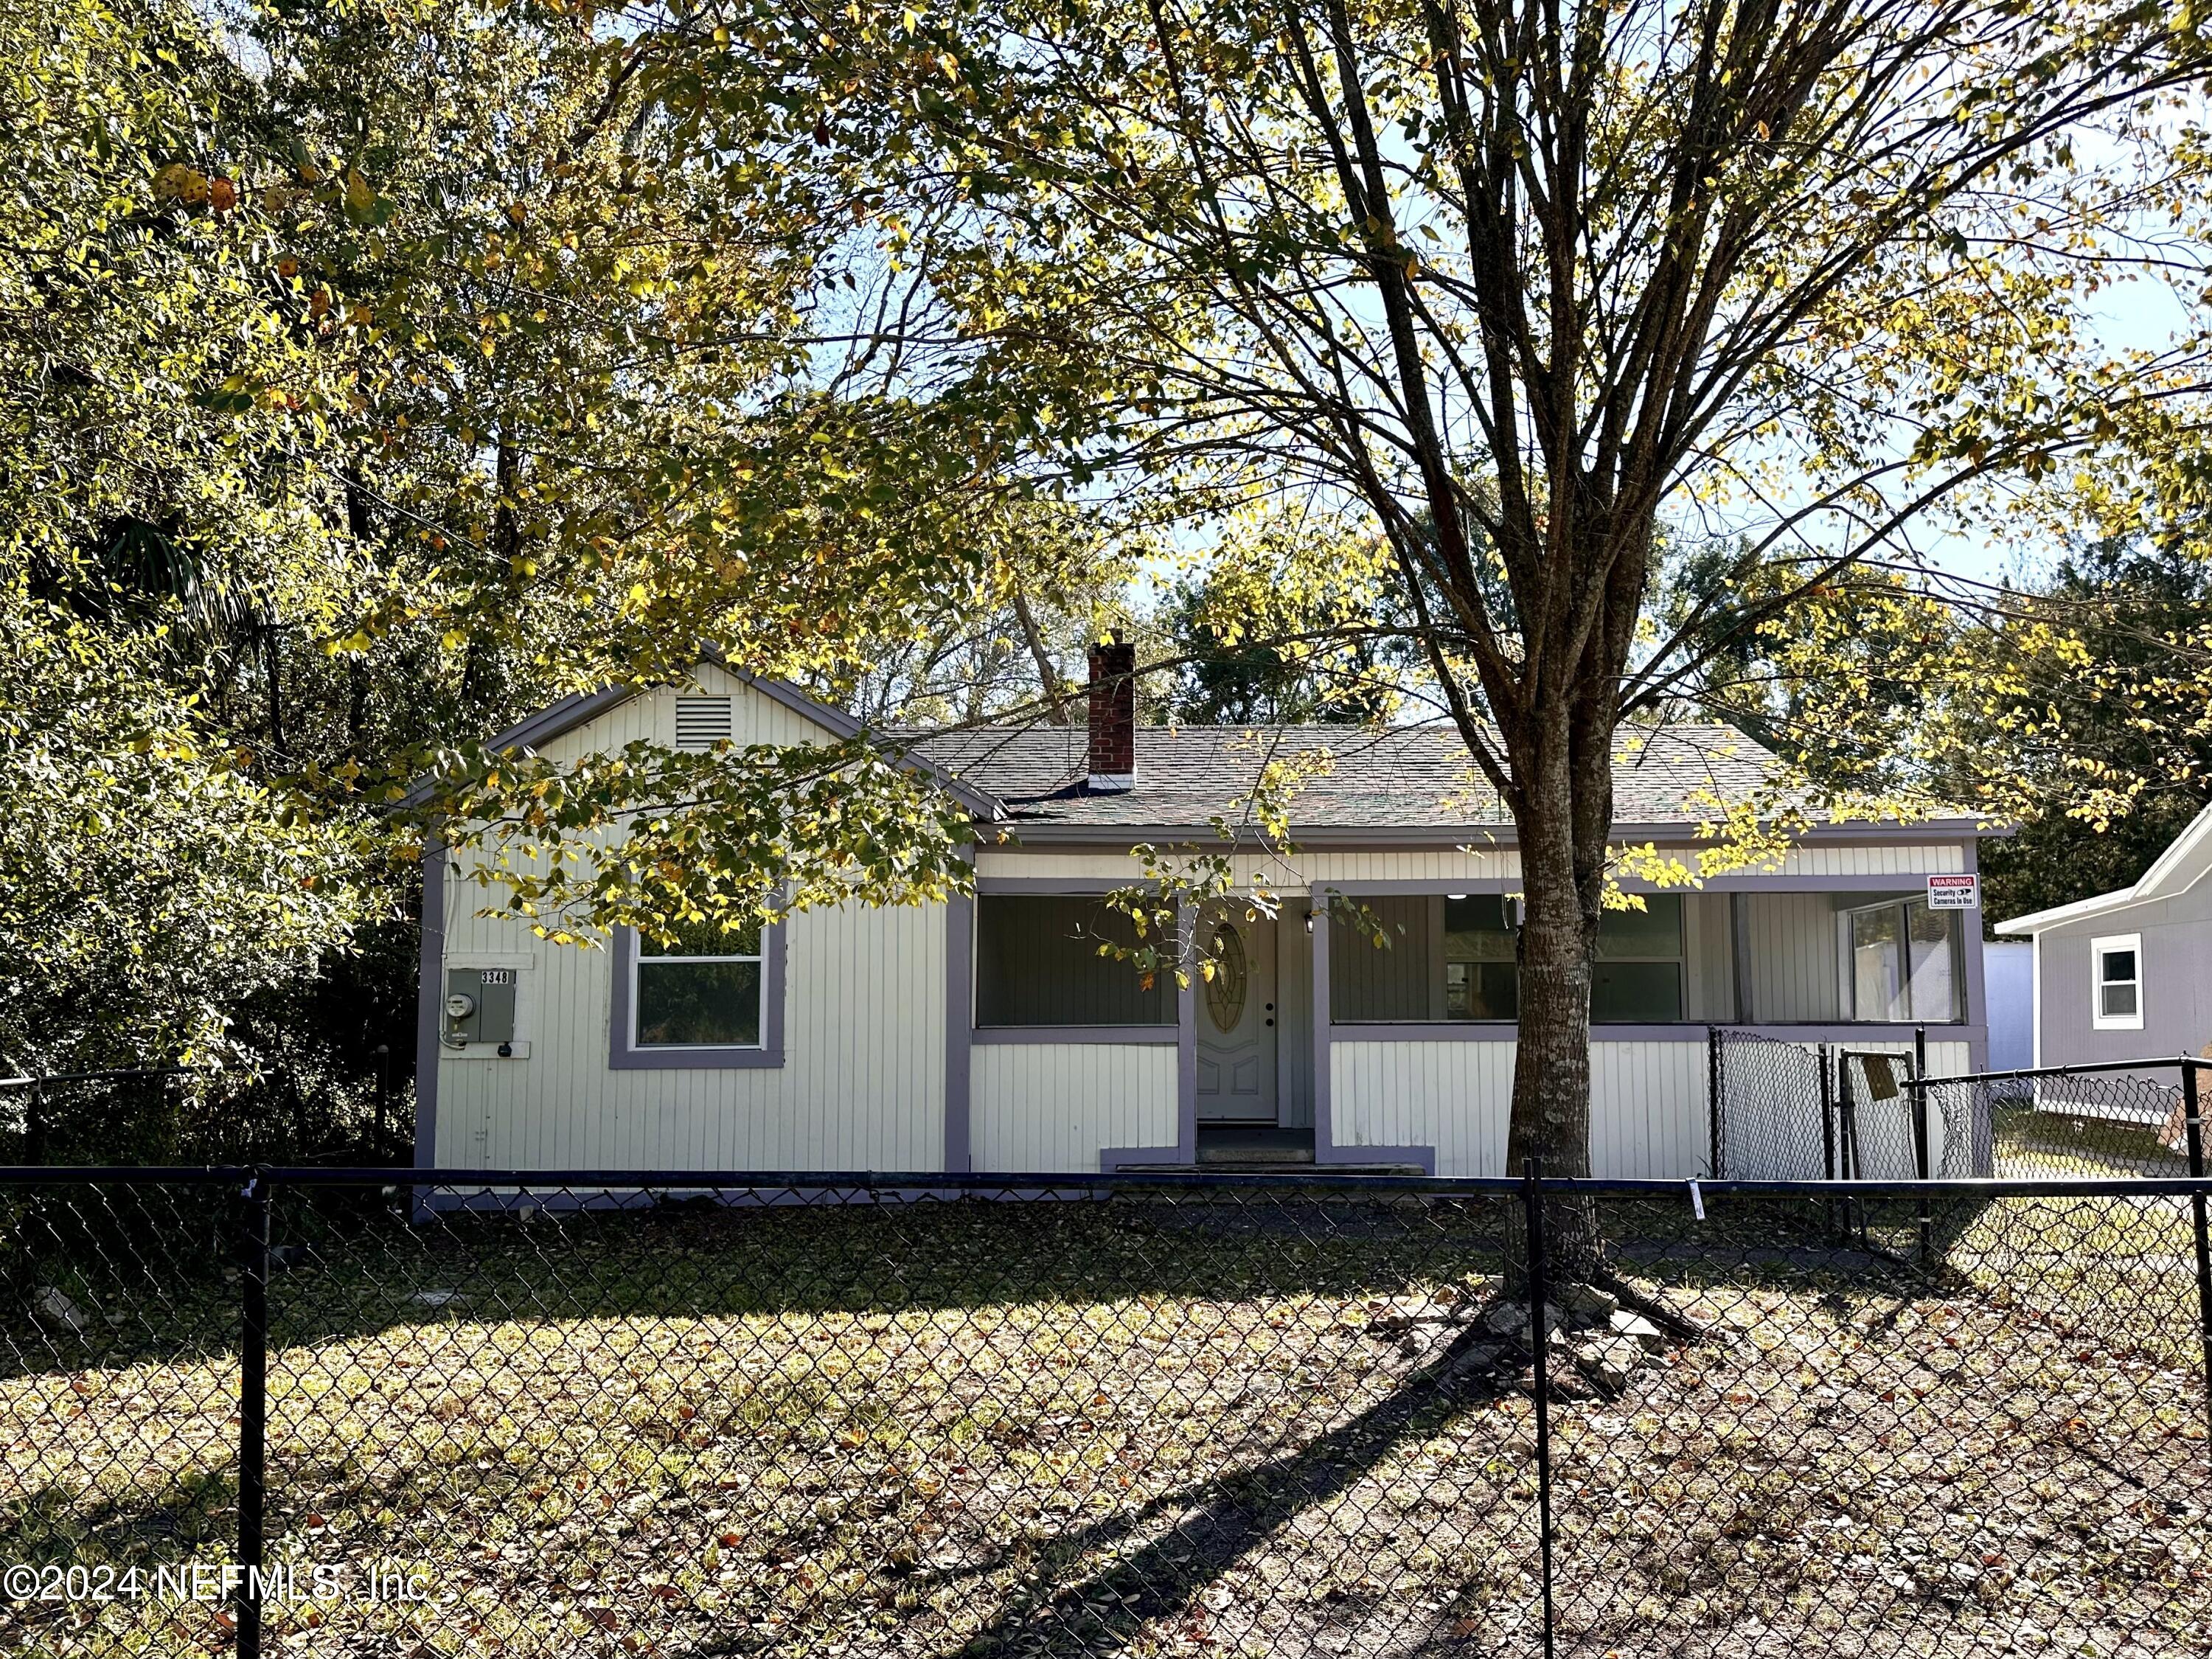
column 1220, row 1521
column 103, row 1294
column 347, row 1270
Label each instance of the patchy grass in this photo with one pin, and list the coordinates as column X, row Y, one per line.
column 2030, row 1143
column 1213, row 1427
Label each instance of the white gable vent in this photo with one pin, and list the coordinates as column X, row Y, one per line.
column 701, row 722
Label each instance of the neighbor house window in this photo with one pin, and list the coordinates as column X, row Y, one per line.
column 1061, row 959
column 2116, row 980
column 1901, row 963
column 700, row 990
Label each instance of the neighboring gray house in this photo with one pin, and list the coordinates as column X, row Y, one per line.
column 988, row 1033
column 2128, row 975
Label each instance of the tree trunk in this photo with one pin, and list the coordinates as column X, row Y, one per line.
column 1563, row 887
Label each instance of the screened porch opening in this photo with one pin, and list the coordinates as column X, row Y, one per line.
column 1761, row 958
column 1048, row 960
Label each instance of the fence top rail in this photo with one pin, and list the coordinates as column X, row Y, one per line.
column 2087, row 1068
column 649, row 1181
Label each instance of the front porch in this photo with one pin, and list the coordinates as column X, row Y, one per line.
column 1311, row 1046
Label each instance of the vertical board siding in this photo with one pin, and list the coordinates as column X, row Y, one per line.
column 1647, row 1102
column 862, row 1086
column 1400, row 980
column 1040, row 1107
column 1038, row 963
column 1289, row 875
column 1794, row 974
column 1648, row 1116
column 1454, row 1096
column 1709, row 942
column 651, row 716
column 1907, row 861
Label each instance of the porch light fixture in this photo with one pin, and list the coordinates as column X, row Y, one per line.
column 1310, row 914
column 1455, row 897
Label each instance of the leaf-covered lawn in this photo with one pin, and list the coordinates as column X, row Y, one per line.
column 1063, row 1428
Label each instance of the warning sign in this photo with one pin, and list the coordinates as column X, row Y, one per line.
column 1954, row 892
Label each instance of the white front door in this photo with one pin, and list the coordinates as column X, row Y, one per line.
column 1236, row 1025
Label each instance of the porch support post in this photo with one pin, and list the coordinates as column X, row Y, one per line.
column 1186, row 1041
column 1970, row 938
column 1984, row 1151
column 1317, row 919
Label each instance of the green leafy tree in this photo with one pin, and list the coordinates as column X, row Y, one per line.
column 456, row 358
column 1503, row 285
column 2090, row 729
column 154, row 868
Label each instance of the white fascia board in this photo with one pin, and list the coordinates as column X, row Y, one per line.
column 2036, row 922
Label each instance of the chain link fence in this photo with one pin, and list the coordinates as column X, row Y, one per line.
column 692, row 1415
column 1771, row 1106
column 2125, row 1121
column 1788, row 1111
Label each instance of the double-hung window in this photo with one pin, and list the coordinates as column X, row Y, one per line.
column 2116, row 983
column 702, row 990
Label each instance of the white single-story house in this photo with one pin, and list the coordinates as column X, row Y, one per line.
column 988, row 1034
column 2127, row 975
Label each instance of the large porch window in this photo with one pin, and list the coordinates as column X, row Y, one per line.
column 1452, row 958
column 1902, row 963
column 1038, row 963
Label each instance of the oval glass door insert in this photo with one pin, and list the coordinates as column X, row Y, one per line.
column 1225, row 991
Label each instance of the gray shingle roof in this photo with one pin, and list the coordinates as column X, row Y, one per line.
column 1396, row 778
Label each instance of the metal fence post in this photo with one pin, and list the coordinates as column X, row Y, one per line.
column 1923, row 1158
column 2193, row 1125
column 1713, row 1101
column 1540, row 1335
column 1822, row 1057
column 252, row 1413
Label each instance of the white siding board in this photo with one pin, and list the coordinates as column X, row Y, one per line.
column 1294, row 1067
column 1707, row 943
column 1648, row 1102
column 862, row 1086
column 755, row 717
column 1039, row 1108
column 1289, row 875
column 1906, row 860
column 1647, row 1109
column 1454, row 1096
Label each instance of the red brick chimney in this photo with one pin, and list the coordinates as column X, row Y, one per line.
column 1113, row 719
